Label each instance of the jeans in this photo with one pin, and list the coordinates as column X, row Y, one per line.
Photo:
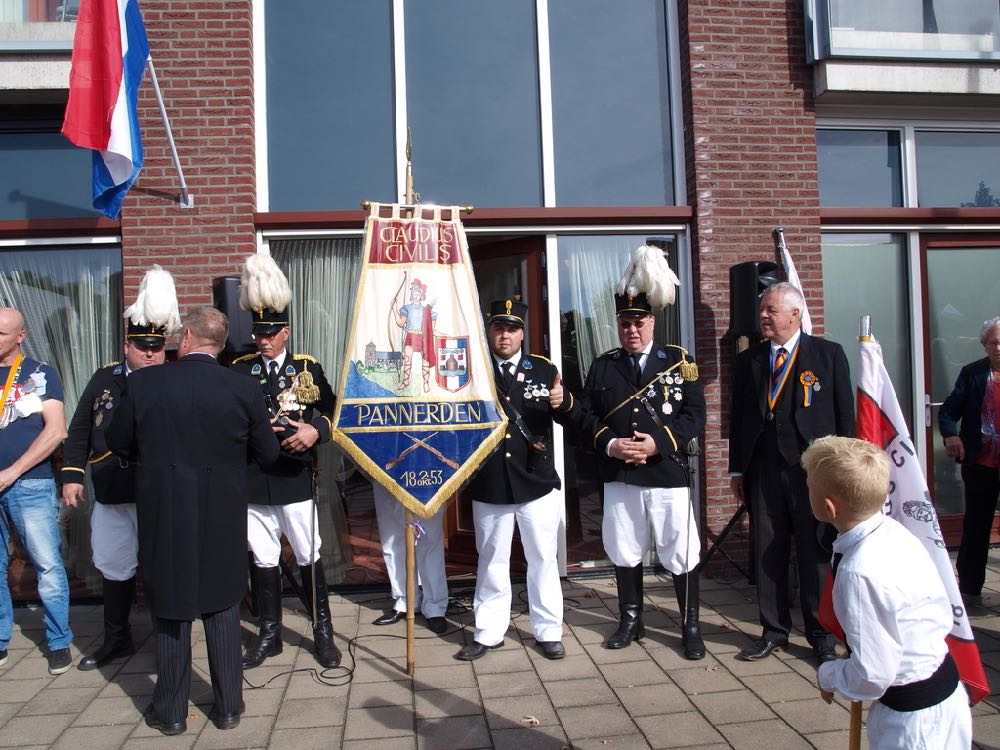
column 32, row 507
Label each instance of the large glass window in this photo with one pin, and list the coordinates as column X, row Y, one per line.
column 329, row 105
column 958, row 29
column 472, row 102
column 610, row 103
column 958, row 169
column 30, row 162
column 70, row 297
column 874, row 268
column 859, row 168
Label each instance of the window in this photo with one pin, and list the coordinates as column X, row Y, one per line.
column 859, row 168
column 910, row 29
column 958, row 169
column 30, row 159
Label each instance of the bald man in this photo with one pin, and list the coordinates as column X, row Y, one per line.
column 33, row 425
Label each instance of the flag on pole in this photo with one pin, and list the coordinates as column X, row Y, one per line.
column 880, row 421
column 109, row 59
column 793, row 279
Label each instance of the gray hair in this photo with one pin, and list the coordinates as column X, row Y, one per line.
column 207, row 326
column 788, row 293
column 988, row 326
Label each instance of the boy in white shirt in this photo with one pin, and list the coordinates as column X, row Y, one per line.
column 892, row 605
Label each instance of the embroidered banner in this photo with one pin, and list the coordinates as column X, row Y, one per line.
column 418, row 408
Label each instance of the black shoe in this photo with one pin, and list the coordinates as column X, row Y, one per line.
column 163, row 727
column 760, row 650
column 552, row 649
column 327, row 654
column 226, row 721
column 694, row 645
column 267, row 642
column 3, row 657
column 59, row 661
column 389, row 617
column 825, row 653
column 474, row 650
column 108, row 652
column 437, row 625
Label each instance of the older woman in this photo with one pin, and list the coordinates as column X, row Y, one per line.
column 975, row 402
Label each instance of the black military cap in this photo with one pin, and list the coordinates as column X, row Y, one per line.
column 148, row 335
column 268, row 322
column 636, row 306
column 508, row 311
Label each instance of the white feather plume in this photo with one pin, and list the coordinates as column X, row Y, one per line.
column 262, row 284
column 649, row 272
column 156, row 303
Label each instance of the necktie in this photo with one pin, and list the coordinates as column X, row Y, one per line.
column 508, row 375
column 779, row 361
column 272, row 372
column 636, row 358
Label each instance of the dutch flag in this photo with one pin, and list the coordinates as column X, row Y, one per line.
column 109, row 59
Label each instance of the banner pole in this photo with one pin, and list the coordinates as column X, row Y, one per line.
column 855, row 736
column 411, row 594
column 186, row 199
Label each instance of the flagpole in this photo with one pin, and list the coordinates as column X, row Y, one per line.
column 411, row 561
column 186, row 198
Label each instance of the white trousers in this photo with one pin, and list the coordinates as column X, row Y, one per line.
column 114, row 539
column 298, row 522
column 432, row 582
column 946, row 726
column 538, row 521
column 636, row 518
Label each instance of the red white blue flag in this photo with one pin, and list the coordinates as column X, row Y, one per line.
column 109, row 59
column 880, row 421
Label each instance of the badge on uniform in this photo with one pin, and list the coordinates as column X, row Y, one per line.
column 526, row 363
column 255, row 370
column 660, row 354
column 810, row 383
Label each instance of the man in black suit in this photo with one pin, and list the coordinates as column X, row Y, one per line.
column 787, row 391
column 191, row 429
column 516, row 485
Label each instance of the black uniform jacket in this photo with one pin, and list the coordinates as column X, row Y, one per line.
column 831, row 408
column 113, row 477
column 616, row 410
column 965, row 404
column 289, row 480
column 191, row 427
column 517, row 472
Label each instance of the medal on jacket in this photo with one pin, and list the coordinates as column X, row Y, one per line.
column 810, row 383
column 306, row 390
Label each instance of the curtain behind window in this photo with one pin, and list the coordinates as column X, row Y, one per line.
column 71, row 301
column 323, row 275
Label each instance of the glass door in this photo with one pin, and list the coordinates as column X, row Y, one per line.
column 960, row 293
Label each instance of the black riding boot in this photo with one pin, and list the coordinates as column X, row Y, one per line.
column 686, row 586
column 327, row 653
column 630, row 626
column 267, row 582
column 118, row 597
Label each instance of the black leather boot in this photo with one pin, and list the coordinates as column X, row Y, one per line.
column 630, row 626
column 267, row 643
column 118, row 643
column 327, row 653
column 686, row 586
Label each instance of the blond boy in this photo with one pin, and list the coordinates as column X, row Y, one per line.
column 892, row 605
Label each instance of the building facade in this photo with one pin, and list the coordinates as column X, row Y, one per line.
column 579, row 129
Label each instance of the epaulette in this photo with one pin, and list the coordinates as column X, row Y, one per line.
column 244, row 358
column 306, row 357
column 544, row 359
column 689, row 370
column 611, row 352
column 111, row 364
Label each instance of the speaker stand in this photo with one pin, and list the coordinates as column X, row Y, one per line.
column 716, row 545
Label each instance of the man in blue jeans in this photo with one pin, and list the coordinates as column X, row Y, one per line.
column 32, row 426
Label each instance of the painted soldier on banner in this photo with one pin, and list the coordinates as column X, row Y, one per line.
column 417, row 321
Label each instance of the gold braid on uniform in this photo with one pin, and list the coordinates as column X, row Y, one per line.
column 244, row 358
column 689, row 370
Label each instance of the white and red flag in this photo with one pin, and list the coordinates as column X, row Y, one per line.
column 880, row 421
column 110, row 50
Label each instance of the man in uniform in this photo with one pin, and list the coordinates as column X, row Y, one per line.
column 32, row 425
column 282, row 496
column 647, row 403
column 787, row 391
column 114, row 533
column 517, row 484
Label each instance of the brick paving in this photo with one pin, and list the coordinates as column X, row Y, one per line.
column 644, row 696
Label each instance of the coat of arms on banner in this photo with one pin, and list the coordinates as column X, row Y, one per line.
column 417, row 410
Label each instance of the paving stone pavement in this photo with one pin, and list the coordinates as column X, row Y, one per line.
column 644, row 696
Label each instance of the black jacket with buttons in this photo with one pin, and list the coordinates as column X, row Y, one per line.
column 678, row 402
column 516, row 472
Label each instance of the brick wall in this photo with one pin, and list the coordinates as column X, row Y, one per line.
column 751, row 165
column 203, row 53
